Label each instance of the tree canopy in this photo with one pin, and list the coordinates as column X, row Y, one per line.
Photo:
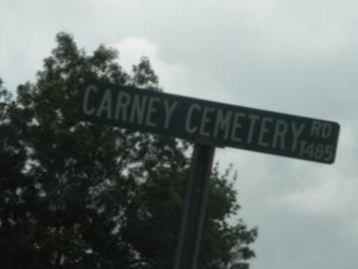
column 78, row 195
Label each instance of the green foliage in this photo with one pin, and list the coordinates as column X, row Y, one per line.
column 77, row 195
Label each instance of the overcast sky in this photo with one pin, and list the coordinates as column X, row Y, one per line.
column 292, row 56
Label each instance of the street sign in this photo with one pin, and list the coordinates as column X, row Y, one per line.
column 212, row 123
column 208, row 124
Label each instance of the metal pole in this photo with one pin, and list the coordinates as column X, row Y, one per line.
column 194, row 208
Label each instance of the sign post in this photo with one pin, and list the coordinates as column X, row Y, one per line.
column 194, row 208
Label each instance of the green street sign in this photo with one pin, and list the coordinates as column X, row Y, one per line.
column 209, row 122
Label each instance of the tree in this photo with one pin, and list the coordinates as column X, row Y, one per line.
column 77, row 195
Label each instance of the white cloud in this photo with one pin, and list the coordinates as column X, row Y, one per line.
column 333, row 197
column 132, row 49
column 301, row 28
